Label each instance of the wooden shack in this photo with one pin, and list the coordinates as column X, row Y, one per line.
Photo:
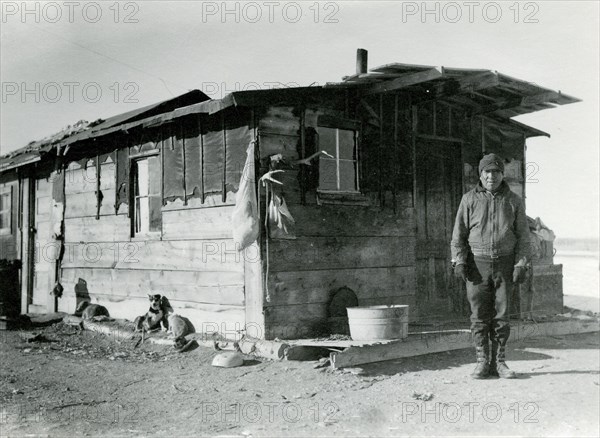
column 142, row 202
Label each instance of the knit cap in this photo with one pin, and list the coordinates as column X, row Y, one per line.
column 491, row 161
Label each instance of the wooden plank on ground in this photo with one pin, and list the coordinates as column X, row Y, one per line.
column 530, row 329
column 346, row 343
column 417, row 345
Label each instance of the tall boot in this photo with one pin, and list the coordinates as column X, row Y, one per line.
column 481, row 371
column 493, row 353
column 500, row 368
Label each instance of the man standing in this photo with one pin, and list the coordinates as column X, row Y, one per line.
column 490, row 246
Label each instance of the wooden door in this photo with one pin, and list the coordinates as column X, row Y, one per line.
column 438, row 193
column 43, row 248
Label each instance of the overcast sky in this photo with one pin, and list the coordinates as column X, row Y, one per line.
column 62, row 62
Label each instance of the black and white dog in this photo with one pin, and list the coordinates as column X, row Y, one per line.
column 157, row 314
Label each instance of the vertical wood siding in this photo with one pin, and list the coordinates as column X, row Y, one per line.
column 367, row 249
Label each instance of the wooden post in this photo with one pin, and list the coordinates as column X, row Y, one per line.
column 26, row 244
column 434, row 117
column 19, row 211
column 132, row 167
column 55, row 218
column 380, row 152
column 303, row 155
column 224, row 127
column 201, row 138
column 395, row 159
column 414, row 151
column 18, row 227
column 98, row 192
column 524, row 170
column 182, row 133
column 253, row 270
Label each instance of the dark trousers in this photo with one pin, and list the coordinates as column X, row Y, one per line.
column 489, row 287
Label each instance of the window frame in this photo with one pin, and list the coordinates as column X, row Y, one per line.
column 338, row 124
column 133, row 196
column 4, row 191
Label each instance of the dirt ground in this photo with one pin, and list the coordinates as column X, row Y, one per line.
column 87, row 384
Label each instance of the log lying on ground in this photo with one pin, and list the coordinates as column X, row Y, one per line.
column 125, row 330
column 118, row 329
column 45, row 319
column 202, row 339
column 73, row 320
column 266, row 349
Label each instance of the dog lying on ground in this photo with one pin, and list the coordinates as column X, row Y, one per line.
column 180, row 327
column 88, row 311
column 156, row 316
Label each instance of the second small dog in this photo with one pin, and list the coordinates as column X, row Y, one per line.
column 180, row 327
column 88, row 311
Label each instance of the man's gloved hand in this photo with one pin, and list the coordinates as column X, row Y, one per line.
column 460, row 271
column 497, row 280
column 519, row 274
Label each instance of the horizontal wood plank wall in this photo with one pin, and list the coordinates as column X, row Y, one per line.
column 367, row 249
column 195, row 263
column 210, row 223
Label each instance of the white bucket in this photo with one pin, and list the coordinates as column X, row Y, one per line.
column 378, row 322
